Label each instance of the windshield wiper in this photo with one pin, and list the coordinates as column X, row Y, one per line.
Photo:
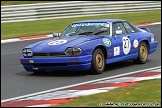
column 84, row 33
column 100, row 32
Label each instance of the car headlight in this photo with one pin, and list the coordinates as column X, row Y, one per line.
column 27, row 52
column 73, row 51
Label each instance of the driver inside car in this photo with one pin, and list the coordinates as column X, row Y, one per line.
column 86, row 30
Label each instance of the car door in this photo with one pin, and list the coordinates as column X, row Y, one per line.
column 121, row 41
column 134, row 36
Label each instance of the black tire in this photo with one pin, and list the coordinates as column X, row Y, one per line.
column 98, row 62
column 142, row 53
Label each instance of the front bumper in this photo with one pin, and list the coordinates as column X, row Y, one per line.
column 57, row 63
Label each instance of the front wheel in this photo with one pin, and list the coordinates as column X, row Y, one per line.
column 98, row 62
column 142, row 53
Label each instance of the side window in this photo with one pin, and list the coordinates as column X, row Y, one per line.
column 118, row 26
column 128, row 27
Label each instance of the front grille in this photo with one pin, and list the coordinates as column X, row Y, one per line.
column 49, row 54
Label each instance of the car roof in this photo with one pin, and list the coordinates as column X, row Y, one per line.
column 100, row 20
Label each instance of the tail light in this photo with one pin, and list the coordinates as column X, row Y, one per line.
column 153, row 38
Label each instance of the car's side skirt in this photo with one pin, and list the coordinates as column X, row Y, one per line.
column 117, row 59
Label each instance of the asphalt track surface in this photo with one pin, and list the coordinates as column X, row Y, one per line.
column 15, row 81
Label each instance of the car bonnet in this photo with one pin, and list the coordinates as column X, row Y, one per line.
column 60, row 44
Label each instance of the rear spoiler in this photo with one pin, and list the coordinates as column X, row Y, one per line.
column 144, row 29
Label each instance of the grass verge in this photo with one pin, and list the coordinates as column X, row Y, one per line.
column 44, row 27
column 147, row 91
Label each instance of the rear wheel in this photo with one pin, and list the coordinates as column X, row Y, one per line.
column 98, row 62
column 142, row 53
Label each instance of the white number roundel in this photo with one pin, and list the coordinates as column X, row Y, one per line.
column 135, row 43
column 57, row 42
column 126, row 45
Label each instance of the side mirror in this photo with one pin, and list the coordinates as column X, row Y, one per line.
column 118, row 32
column 56, row 34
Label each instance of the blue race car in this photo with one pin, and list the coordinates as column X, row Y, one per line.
column 89, row 45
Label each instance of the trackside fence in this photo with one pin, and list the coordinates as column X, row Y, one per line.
column 69, row 9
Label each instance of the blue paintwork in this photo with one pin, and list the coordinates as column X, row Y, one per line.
column 88, row 45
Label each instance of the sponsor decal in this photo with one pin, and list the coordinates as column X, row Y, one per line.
column 116, row 51
column 90, row 24
column 57, row 42
column 135, row 43
column 126, row 45
column 107, row 42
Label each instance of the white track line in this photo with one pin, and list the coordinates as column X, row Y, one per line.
column 155, row 23
column 52, row 90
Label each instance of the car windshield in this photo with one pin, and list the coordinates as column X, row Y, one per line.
column 89, row 29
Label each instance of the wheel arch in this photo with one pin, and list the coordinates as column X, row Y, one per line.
column 139, row 59
column 103, row 49
column 147, row 43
